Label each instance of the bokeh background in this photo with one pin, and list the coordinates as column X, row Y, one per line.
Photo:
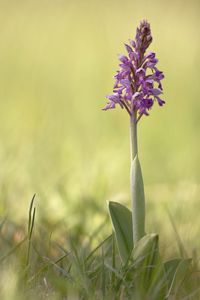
column 57, row 61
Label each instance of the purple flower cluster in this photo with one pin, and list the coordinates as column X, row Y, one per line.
column 138, row 81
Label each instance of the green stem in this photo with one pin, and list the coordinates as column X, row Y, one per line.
column 133, row 131
column 137, row 188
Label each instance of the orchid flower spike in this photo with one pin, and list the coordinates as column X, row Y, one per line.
column 138, row 81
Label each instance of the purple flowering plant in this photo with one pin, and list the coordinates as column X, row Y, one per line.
column 137, row 87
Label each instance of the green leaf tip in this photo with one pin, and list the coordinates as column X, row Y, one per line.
column 151, row 274
column 146, row 245
column 121, row 219
column 176, row 271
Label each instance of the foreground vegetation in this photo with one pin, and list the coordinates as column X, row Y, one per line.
column 36, row 265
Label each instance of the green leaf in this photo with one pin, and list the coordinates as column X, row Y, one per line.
column 170, row 269
column 151, row 278
column 177, row 271
column 138, row 200
column 122, row 224
column 146, row 249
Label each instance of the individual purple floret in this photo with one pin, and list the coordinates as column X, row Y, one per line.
column 138, row 81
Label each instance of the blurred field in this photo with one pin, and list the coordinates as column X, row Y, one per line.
column 57, row 59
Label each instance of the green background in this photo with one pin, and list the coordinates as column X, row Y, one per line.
column 57, row 61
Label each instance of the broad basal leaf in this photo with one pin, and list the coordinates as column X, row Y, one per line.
column 122, row 224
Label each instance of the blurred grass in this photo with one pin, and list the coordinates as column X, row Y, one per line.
column 57, row 60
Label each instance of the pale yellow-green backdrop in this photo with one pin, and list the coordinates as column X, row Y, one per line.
column 57, row 60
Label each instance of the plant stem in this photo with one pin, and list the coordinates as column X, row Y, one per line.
column 133, row 131
column 137, row 188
